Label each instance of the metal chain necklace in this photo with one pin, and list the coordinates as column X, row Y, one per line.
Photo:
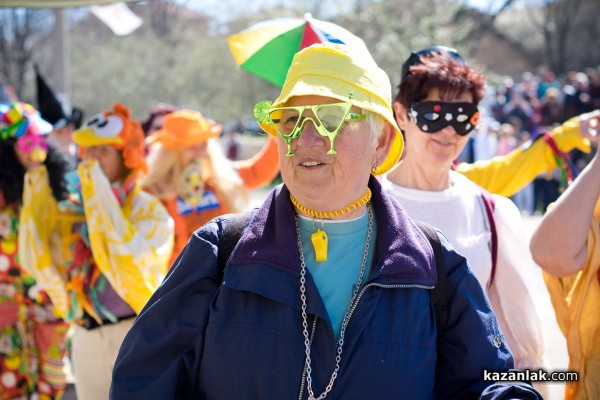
column 347, row 315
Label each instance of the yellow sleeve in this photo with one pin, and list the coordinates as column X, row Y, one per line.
column 39, row 239
column 506, row 175
column 132, row 244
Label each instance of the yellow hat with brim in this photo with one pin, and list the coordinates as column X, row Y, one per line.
column 342, row 72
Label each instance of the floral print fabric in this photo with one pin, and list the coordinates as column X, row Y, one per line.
column 32, row 339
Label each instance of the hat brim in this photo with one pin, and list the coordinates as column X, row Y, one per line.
column 87, row 137
column 43, row 126
column 393, row 156
column 170, row 141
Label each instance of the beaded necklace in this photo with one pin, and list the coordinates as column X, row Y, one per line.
column 355, row 205
column 319, row 238
column 349, row 311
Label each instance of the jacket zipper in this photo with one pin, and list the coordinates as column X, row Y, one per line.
column 353, row 307
column 381, row 285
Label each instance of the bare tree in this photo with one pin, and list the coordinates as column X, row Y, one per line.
column 163, row 16
column 558, row 18
column 20, row 29
column 484, row 21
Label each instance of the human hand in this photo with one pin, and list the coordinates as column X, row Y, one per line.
column 84, row 168
column 589, row 125
column 86, row 163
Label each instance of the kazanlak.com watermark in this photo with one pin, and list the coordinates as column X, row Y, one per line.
column 530, row 375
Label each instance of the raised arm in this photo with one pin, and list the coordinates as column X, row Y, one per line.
column 131, row 244
column 559, row 244
column 40, row 243
column 506, row 175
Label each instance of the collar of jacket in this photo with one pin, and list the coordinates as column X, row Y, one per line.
column 403, row 253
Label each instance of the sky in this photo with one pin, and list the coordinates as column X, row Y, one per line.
column 217, row 7
column 485, row 5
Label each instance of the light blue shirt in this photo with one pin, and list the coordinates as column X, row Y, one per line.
column 336, row 277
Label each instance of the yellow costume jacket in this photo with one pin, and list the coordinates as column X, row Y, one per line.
column 130, row 242
column 576, row 301
column 506, row 175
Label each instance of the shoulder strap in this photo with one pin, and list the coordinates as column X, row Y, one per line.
column 229, row 239
column 231, row 236
column 490, row 205
column 438, row 293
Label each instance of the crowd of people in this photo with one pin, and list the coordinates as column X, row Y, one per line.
column 388, row 264
column 523, row 109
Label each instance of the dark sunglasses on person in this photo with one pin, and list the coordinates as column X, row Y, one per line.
column 433, row 116
column 416, row 57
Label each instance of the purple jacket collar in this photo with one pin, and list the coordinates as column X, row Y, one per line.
column 403, row 254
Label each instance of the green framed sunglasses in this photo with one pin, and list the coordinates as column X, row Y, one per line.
column 289, row 121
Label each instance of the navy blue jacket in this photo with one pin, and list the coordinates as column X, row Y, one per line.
column 241, row 338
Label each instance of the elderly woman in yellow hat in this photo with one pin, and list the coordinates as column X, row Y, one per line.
column 190, row 174
column 329, row 290
column 102, row 252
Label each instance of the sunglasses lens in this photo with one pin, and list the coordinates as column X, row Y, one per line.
column 285, row 119
column 331, row 116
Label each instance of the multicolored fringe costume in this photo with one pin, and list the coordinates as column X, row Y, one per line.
column 32, row 338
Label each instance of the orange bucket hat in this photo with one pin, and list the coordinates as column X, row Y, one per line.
column 116, row 128
column 185, row 128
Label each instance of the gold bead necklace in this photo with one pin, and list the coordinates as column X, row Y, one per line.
column 355, row 205
column 319, row 238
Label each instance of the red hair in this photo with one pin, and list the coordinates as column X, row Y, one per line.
column 440, row 71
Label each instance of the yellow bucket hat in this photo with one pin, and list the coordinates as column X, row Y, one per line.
column 336, row 70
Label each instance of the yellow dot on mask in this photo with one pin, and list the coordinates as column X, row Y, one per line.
column 13, row 362
column 8, row 246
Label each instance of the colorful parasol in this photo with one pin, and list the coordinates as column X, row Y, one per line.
column 267, row 48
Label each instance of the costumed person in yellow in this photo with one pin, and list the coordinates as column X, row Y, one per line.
column 566, row 244
column 190, row 174
column 101, row 270
column 32, row 337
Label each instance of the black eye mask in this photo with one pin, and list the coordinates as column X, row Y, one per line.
column 433, row 116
